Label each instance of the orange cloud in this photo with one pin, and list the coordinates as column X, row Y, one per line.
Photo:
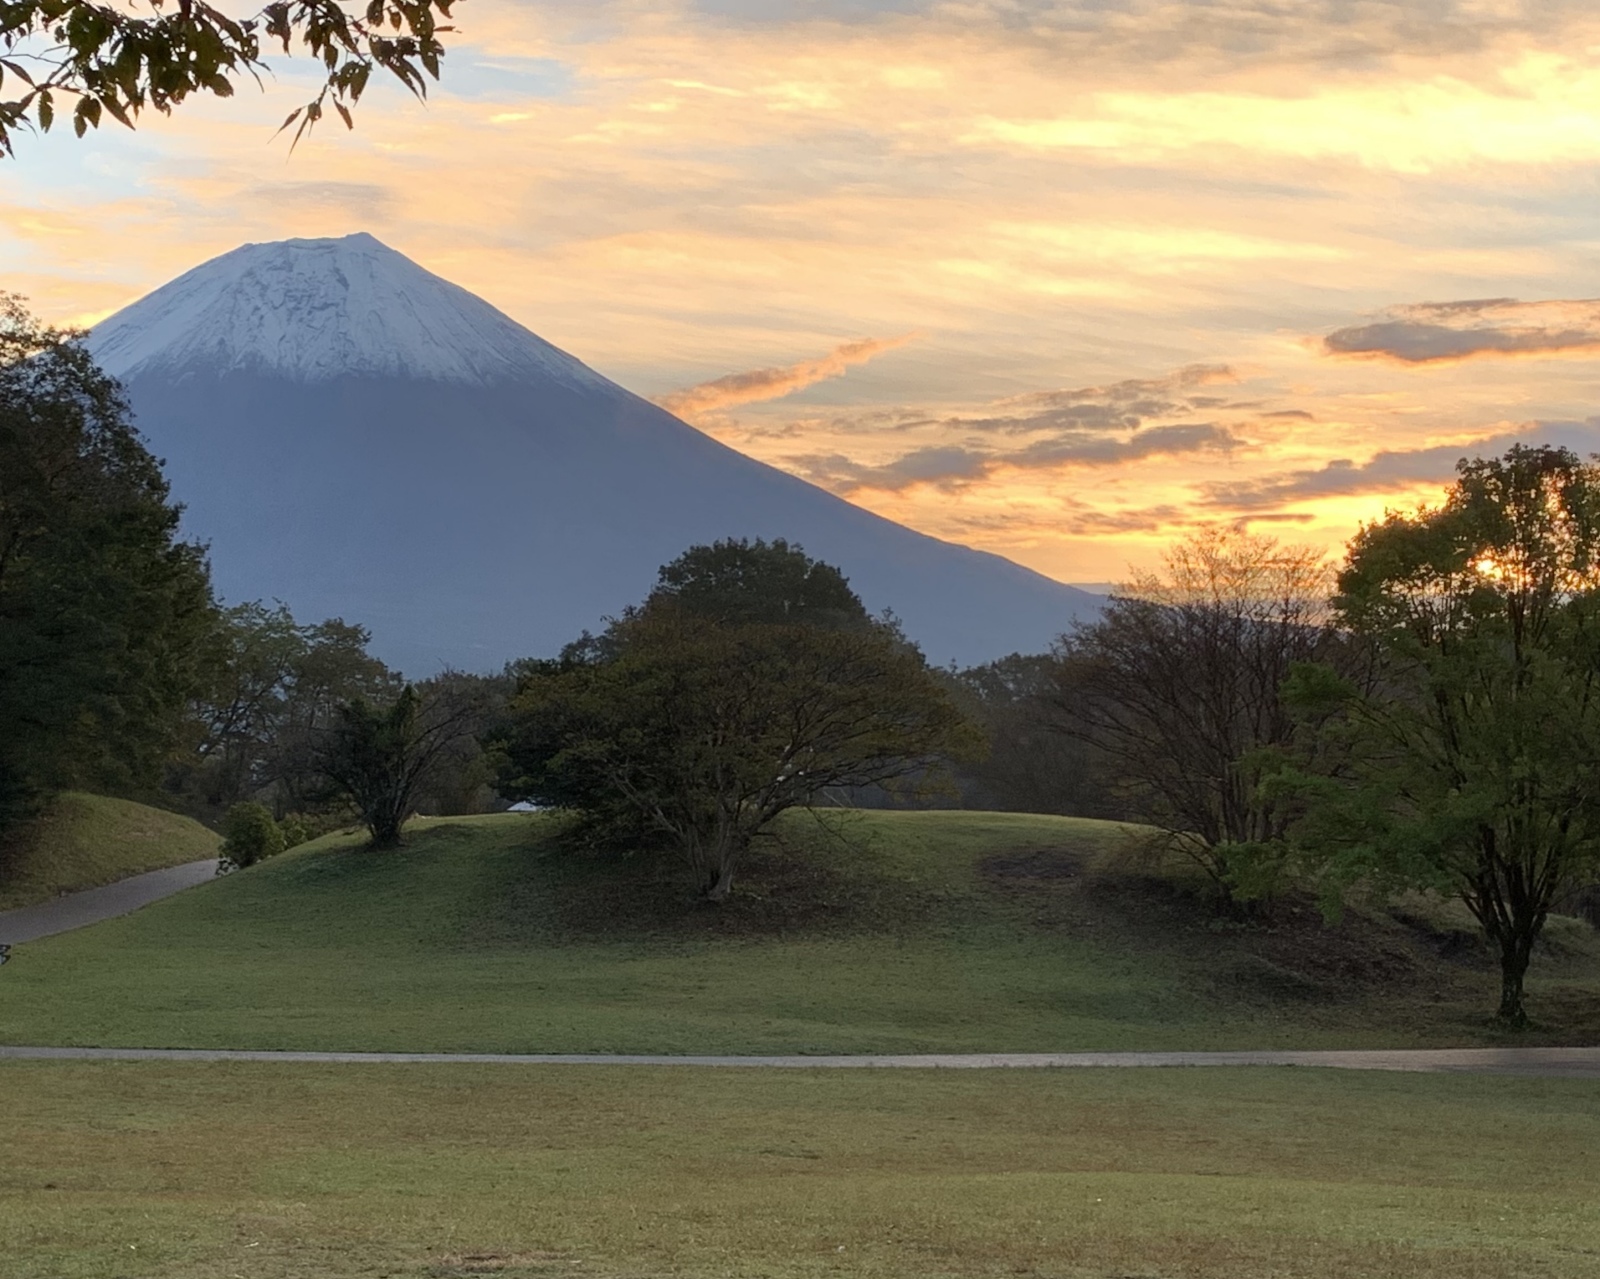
column 772, row 384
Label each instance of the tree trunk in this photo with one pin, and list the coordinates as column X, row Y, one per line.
column 384, row 825
column 1515, row 953
column 720, row 882
column 713, row 861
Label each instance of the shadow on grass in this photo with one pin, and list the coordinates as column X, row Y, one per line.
column 823, row 878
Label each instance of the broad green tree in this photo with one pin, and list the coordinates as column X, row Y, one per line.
column 700, row 723
column 104, row 610
column 1473, row 767
column 88, row 61
column 740, row 581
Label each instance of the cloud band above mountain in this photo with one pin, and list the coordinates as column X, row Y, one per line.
column 1440, row 332
column 774, row 383
column 1093, row 426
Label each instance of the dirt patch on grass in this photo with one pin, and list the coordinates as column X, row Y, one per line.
column 507, row 1265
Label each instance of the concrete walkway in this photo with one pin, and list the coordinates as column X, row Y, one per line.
column 1553, row 1063
column 77, row 910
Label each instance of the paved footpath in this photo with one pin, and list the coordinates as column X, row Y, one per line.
column 76, row 910
column 1554, row 1063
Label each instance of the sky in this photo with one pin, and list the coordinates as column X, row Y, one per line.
column 1064, row 281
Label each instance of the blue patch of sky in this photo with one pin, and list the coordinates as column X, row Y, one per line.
column 59, row 168
column 469, row 71
column 473, row 73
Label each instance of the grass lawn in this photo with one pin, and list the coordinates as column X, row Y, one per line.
column 127, row 1170
column 899, row 932
column 83, row 841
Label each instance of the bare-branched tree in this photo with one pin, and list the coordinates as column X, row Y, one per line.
column 1178, row 685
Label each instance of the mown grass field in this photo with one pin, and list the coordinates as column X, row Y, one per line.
column 277, row 1172
column 893, row 932
column 83, row 841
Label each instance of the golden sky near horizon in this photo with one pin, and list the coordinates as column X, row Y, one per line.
column 1062, row 281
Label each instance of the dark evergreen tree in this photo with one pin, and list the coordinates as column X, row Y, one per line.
column 104, row 611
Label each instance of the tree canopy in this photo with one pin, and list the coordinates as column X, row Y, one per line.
column 270, row 687
column 1473, row 766
column 739, row 582
column 380, row 757
column 97, row 60
column 104, row 611
column 698, row 719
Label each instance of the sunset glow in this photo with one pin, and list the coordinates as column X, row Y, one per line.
column 1061, row 281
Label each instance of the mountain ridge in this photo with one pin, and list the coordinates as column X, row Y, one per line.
column 345, row 444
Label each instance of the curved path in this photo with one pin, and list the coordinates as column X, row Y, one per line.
column 77, row 910
column 1563, row 1063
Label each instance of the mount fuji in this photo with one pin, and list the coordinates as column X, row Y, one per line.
column 357, row 437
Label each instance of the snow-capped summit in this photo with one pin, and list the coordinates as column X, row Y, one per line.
column 310, row 310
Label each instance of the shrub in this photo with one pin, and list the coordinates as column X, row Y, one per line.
column 294, row 830
column 249, row 835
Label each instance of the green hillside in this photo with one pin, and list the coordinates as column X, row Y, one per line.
column 895, row 932
column 83, row 841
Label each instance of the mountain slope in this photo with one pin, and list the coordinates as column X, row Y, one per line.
column 357, row 437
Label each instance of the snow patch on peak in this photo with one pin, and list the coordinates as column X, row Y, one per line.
column 311, row 310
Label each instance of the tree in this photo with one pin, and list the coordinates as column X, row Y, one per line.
column 1178, row 686
column 111, row 62
column 1473, row 767
column 738, row 582
column 104, row 612
column 1031, row 765
column 702, row 731
column 272, row 686
column 380, row 757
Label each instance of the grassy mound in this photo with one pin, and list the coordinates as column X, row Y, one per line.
column 161, row 1171
column 881, row 932
column 83, row 841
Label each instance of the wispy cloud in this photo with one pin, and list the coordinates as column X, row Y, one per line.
column 368, row 201
column 775, row 383
column 645, row 183
column 1048, row 433
column 1391, row 470
column 1437, row 332
column 947, row 466
column 1124, row 405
